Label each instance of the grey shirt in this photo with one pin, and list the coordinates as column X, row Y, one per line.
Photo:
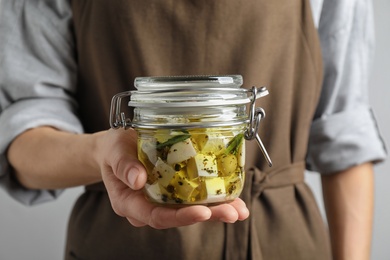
column 38, row 73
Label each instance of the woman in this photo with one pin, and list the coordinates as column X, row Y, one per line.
column 84, row 52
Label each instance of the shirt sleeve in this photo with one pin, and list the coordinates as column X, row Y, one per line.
column 344, row 131
column 37, row 79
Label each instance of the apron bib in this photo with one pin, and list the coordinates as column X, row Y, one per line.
column 271, row 43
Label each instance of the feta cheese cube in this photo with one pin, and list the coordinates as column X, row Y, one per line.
column 185, row 189
column 164, row 172
column 154, row 191
column 202, row 165
column 213, row 143
column 180, row 152
column 148, row 147
column 215, row 189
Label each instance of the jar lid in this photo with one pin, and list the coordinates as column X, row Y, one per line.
column 191, row 91
column 157, row 83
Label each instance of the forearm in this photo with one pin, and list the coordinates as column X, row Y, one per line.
column 45, row 158
column 349, row 200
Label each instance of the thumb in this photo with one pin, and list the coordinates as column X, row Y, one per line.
column 131, row 172
column 136, row 178
column 120, row 158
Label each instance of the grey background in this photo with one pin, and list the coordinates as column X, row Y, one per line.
column 39, row 232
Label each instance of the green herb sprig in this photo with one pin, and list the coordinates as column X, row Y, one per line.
column 233, row 144
column 172, row 141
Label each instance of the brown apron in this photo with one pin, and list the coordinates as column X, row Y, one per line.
column 272, row 43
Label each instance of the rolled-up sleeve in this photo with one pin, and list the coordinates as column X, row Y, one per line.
column 344, row 132
column 37, row 79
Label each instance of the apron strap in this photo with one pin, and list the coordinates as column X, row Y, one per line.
column 256, row 182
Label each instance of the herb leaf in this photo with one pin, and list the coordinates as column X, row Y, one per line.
column 172, row 141
column 233, row 145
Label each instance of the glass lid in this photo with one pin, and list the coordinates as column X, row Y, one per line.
column 192, row 81
column 190, row 91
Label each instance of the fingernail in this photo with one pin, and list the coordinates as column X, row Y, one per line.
column 132, row 176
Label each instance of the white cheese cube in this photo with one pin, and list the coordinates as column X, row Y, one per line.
column 164, row 172
column 215, row 189
column 163, row 135
column 148, row 147
column 154, row 191
column 213, row 143
column 203, row 166
column 184, row 188
column 180, row 152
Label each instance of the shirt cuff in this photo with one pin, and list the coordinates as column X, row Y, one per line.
column 24, row 115
column 343, row 140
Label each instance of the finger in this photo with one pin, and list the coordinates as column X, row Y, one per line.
column 164, row 217
column 242, row 210
column 161, row 217
column 230, row 212
column 225, row 213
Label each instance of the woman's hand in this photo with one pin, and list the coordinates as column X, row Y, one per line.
column 46, row 158
column 124, row 177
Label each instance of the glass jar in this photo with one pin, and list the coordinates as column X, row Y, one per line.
column 191, row 135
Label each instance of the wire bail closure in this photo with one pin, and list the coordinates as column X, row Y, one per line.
column 118, row 118
column 255, row 116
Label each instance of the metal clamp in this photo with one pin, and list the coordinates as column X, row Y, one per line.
column 255, row 116
column 117, row 118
